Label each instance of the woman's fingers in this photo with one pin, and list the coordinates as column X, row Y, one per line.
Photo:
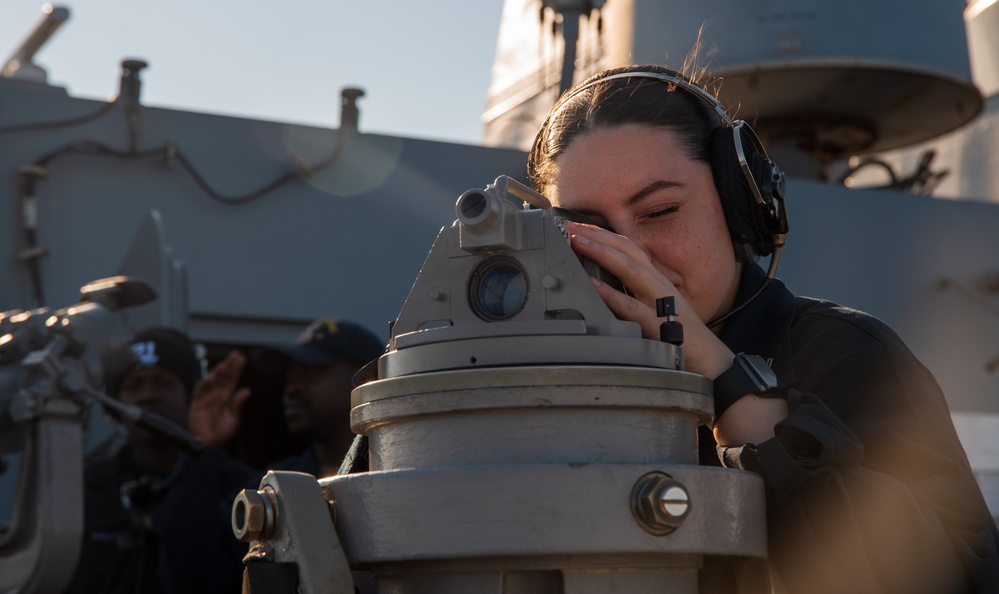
column 628, row 262
column 704, row 353
column 627, row 307
column 599, row 244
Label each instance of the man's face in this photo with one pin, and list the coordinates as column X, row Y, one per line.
column 317, row 398
column 158, row 391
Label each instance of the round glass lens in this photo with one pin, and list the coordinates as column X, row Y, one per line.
column 498, row 290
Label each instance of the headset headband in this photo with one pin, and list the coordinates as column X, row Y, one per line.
column 667, row 78
column 737, row 126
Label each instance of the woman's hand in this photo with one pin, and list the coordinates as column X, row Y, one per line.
column 703, row 352
column 750, row 419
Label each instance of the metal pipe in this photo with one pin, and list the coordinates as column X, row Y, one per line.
column 19, row 65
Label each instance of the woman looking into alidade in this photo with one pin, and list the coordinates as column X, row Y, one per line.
column 868, row 487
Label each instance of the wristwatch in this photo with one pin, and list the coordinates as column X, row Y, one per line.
column 749, row 374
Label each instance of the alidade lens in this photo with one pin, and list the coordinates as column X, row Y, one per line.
column 497, row 289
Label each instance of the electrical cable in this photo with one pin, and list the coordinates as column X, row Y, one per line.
column 231, row 200
column 771, row 272
column 882, row 164
column 170, row 152
column 59, row 123
column 31, row 175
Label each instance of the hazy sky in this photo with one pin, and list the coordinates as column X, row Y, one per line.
column 424, row 66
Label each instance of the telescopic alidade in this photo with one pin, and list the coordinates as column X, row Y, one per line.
column 522, row 439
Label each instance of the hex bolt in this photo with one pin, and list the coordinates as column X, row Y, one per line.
column 659, row 503
column 674, row 501
column 254, row 514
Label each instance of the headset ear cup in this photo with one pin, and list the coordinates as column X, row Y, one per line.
column 771, row 218
column 736, row 197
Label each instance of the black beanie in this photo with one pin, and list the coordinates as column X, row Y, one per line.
column 162, row 347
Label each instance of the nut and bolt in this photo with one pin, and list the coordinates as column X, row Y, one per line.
column 254, row 514
column 659, row 503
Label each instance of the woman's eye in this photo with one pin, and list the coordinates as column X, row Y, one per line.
column 662, row 211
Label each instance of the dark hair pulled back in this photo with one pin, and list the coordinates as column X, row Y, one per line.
column 608, row 100
column 601, row 104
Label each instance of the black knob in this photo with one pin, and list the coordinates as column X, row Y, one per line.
column 670, row 331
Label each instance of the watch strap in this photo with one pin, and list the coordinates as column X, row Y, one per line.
column 749, row 374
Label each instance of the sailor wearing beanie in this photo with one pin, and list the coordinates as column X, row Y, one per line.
column 161, row 379
column 156, row 518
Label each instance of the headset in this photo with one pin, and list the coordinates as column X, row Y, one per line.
column 750, row 185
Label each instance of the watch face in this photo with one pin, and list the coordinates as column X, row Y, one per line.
column 765, row 377
column 749, row 374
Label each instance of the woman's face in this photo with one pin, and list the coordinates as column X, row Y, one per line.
column 639, row 181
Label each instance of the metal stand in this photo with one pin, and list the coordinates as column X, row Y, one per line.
column 535, row 444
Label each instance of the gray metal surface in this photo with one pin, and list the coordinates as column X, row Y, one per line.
column 345, row 242
column 531, row 516
column 532, row 415
column 526, row 349
column 548, row 474
column 49, row 362
column 304, row 535
column 530, row 479
column 792, row 65
column 824, row 74
column 923, row 265
column 151, row 258
column 525, row 479
column 41, row 548
column 967, row 160
column 493, row 479
column 555, row 287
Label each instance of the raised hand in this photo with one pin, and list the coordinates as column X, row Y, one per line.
column 217, row 403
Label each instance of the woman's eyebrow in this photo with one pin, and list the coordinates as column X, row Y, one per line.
column 653, row 187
